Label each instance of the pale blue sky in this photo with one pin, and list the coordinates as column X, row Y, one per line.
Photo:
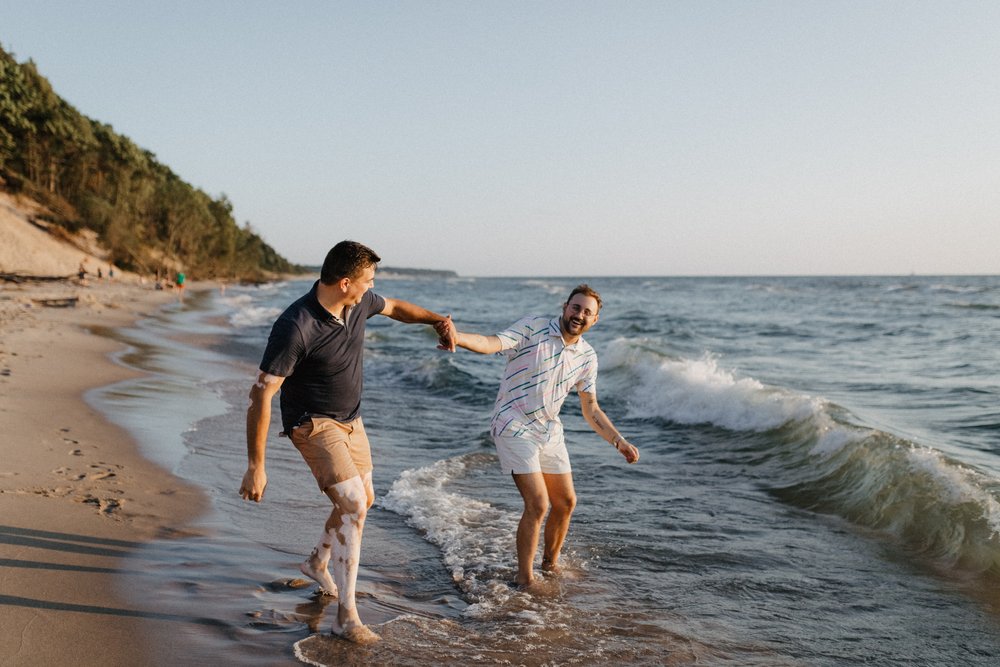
column 562, row 138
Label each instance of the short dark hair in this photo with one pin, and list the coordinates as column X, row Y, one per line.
column 585, row 290
column 347, row 259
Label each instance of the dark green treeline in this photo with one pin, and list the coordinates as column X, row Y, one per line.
column 90, row 177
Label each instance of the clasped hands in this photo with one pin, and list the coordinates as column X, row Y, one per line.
column 447, row 334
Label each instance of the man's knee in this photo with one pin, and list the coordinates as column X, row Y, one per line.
column 535, row 506
column 534, row 494
column 350, row 496
column 564, row 504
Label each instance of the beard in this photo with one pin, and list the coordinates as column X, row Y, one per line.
column 573, row 325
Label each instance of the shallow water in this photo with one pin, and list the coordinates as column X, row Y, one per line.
column 818, row 484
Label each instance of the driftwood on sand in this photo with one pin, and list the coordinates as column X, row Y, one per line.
column 62, row 302
column 24, row 278
column 57, row 302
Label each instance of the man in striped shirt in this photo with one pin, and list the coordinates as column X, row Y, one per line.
column 546, row 358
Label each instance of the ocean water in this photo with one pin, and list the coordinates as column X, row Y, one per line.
column 819, row 482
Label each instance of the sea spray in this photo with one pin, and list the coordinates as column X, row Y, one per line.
column 698, row 391
column 475, row 537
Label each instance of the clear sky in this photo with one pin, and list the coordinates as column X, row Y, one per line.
column 562, row 138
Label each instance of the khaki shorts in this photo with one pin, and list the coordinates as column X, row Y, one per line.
column 334, row 451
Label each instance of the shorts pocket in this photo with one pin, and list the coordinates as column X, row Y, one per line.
column 303, row 430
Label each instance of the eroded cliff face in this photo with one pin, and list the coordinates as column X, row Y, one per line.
column 30, row 246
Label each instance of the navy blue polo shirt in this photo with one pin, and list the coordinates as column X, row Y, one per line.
column 320, row 358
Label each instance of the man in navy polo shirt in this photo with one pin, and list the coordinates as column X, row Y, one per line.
column 314, row 356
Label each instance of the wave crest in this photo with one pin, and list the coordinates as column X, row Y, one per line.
column 932, row 505
column 698, row 391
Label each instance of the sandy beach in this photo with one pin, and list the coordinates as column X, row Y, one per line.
column 75, row 494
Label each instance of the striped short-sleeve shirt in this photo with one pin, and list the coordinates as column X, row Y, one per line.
column 541, row 370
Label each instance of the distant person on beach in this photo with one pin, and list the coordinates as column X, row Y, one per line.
column 546, row 358
column 314, row 356
column 181, row 279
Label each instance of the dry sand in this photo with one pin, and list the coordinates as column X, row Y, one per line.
column 75, row 495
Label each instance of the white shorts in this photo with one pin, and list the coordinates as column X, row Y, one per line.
column 532, row 451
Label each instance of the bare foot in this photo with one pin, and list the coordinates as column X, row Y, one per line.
column 358, row 634
column 318, row 573
column 551, row 567
column 543, row 588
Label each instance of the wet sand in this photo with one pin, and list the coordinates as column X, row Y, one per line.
column 76, row 496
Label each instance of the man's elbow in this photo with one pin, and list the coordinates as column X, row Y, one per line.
column 264, row 388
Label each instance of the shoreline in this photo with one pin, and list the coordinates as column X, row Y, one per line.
column 77, row 495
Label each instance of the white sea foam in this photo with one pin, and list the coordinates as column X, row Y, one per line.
column 557, row 289
column 252, row 316
column 425, row 372
column 698, row 391
column 831, row 437
column 957, row 484
column 237, row 300
column 474, row 536
column 902, row 287
column 956, row 289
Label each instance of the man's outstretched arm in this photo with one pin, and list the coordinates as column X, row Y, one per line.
column 603, row 427
column 410, row 313
column 470, row 341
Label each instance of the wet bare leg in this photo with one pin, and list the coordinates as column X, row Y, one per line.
column 346, row 524
column 315, row 567
column 562, row 495
column 536, row 504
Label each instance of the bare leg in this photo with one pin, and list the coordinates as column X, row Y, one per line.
column 536, row 504
column 563, row 498
column 315, row 567
column 346, row 523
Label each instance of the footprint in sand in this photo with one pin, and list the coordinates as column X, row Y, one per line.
column 69, row 474
column 104, row 505
column 58, row 492
column 98, row 471
column 103, row 471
